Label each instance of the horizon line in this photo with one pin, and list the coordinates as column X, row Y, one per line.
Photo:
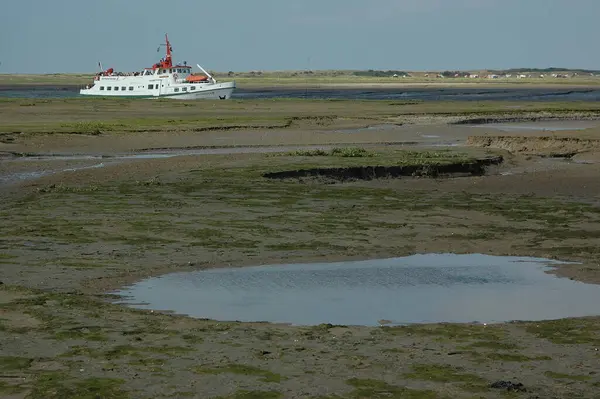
column 532, row 69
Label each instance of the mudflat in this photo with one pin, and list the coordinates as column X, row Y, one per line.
column 97, row 194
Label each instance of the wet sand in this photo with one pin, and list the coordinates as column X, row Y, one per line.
column 70, row 237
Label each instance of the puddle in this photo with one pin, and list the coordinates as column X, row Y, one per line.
column 168, row 153
column 540, row 126
column 16, row 177
column 443, row 145
column 428, row 288
column 387, row 126
column 32, row 175
column 583, row 161
column 96, row 166
column 58, row 157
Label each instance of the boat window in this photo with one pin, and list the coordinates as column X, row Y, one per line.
column 184, row 89
column 150, row 87
column 193, row 88
column 177, row 89
column 130, row 88
column 109, row 88
column 116, row 88
column 123, row 88
column 101, row 87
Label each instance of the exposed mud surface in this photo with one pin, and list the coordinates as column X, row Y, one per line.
column 540, row 145
column 67, row 238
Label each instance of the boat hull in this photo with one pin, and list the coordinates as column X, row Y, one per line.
column 213, row 91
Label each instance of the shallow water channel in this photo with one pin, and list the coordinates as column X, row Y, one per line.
column 15, row 169
column 427, row 288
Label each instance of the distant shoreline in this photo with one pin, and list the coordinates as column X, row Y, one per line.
column 334, row 80
column 340, row 86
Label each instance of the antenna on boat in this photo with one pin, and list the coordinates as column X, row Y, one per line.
column 163, row 44
column 207, row 74
column 167, row 60
column 307, row 72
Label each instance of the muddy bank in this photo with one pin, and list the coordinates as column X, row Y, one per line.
column 467, row 168
column 515, row 117
column 541, row 145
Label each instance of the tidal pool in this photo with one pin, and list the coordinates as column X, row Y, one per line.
column 428, row 288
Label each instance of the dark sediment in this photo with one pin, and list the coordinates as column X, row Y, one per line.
column 475, row 167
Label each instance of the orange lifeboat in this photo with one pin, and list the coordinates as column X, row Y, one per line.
column 196, row 78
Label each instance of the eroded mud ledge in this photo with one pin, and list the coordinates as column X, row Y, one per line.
column 544, row 116
column 475, row 167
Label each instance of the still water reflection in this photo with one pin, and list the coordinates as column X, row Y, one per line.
column 425, row 288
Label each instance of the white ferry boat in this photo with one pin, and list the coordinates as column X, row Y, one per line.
column 163, row 80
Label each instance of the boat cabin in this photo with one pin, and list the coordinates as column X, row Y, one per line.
column 182, row 71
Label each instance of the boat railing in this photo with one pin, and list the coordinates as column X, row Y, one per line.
column 102, row 74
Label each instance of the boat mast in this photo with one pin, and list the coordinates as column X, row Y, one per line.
column 168, row 61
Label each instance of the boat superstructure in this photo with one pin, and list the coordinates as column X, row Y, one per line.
column 162, row 80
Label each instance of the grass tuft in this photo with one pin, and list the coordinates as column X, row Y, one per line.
column 562, row 376
column 370, row 388
column 242, row 369
column 442, row 373
column 14, row 363
column 243, row 394
column 566, row 331
column 343, row 152
column 58, row 385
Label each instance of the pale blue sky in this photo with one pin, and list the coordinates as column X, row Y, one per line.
column 44, row 36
